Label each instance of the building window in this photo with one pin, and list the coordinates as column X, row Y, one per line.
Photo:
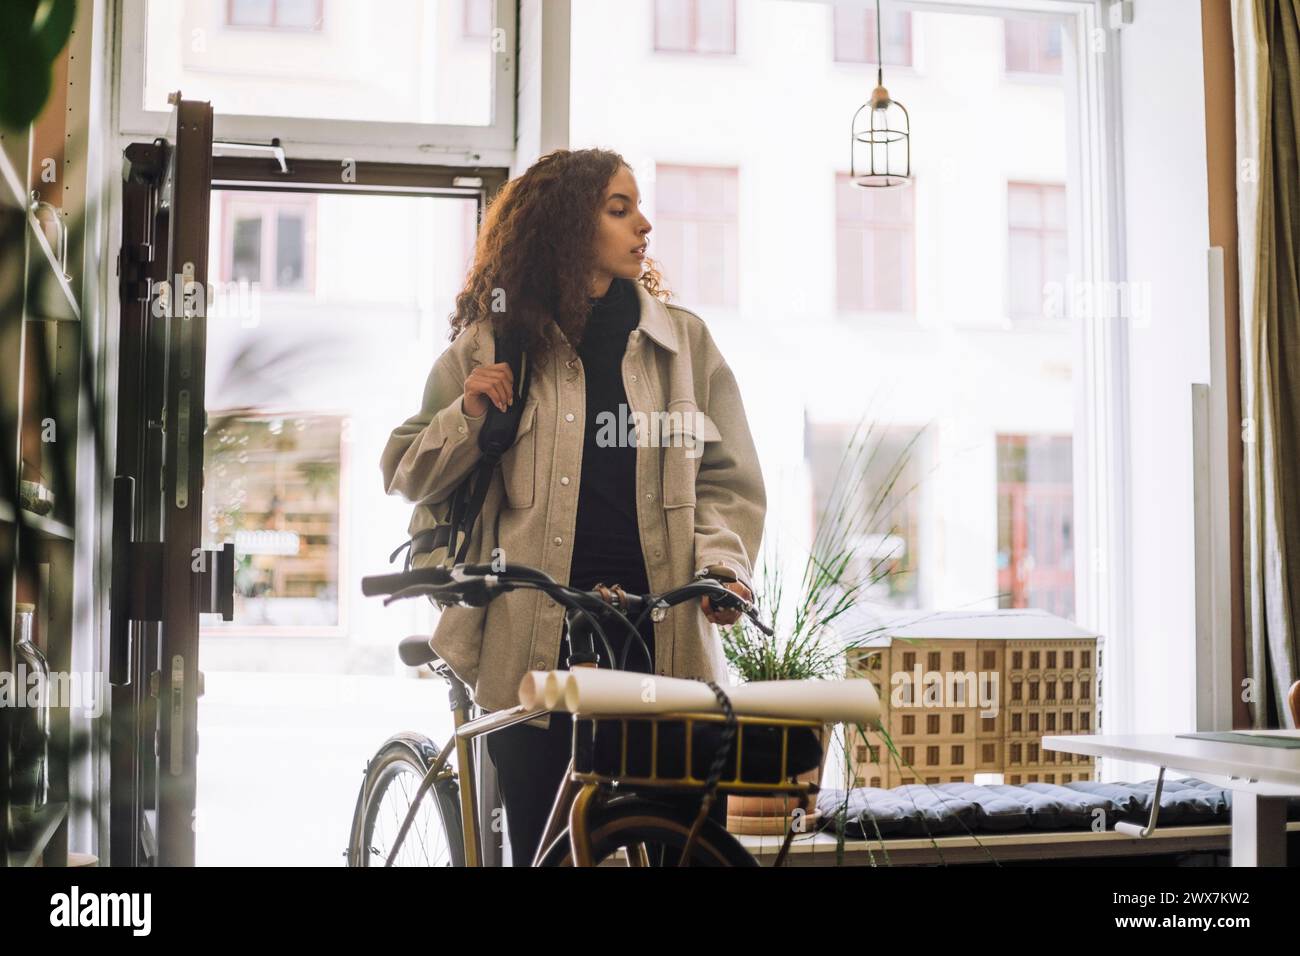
column 1033, row 753
column 1036, row 251
column 1051, row 721
column 476, row 19
column 875, row 781
column 273, row 485
column 1032, row 46
column 1085, row 720
column 1017, row 660
column 698, row 233
column 908, row 781
column 1085, row 659
column 958, row 723
column 1069, row 690
column 1016, row 723
column 958, row 754
column 909, row 756
column 990, row 660
column 959, row 660
column 933, row 661
column 1067, row 720
column 988, row 753
column 1033, row 690
column 1036, row 524
column 1015, row 753
column 861, row 751
column 1033, row 660
column 855, row 35
column 269, row 238
column 275, row 14
column 695, row 26
column 1066, row 778
column 1085, row 690
column 930, row 780
column 1015, row 779
column 873, row 662
column 1049, row 778
column 1051, row 659
column 909, row 661
column 988, row 724
column 873, row 753
column 875, row 238
column 1033, row 778
column 932, row 723
column 1033, row 722
column 932, row 756
column 1069, row 658
column 1015, row 690
column 1051, row 690
column 909, row 724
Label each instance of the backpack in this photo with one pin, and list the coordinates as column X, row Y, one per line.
column 442, row 530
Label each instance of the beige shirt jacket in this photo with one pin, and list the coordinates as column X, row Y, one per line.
column 700, row 494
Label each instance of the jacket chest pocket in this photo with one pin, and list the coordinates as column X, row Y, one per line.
column 519, row 463
column 683, row 439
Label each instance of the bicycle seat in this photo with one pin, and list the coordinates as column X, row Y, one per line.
column 416, row 652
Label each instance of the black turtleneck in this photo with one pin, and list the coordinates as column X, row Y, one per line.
column 607, row 542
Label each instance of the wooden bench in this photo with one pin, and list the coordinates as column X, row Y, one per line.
column 819, row 849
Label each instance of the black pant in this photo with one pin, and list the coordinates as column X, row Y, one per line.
column 531, row 763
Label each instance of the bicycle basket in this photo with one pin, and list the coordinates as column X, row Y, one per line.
column 677, row 750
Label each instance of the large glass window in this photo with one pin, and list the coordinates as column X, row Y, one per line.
column 400, row 61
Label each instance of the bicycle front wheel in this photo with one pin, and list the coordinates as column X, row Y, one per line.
column 641, row 832
column 393, row 778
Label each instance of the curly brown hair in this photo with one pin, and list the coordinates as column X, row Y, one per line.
column 535, row 252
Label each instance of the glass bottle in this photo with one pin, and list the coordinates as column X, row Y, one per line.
column 31, row 700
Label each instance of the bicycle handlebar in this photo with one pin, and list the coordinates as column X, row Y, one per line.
column 475, row 585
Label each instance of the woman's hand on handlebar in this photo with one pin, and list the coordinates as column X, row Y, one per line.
column 726, row 616
column 488, row 384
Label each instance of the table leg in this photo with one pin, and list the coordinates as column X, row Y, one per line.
column 1258, row 829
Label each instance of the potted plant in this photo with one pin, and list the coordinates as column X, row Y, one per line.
column 814, row 625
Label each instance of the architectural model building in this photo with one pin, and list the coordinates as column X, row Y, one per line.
column 973, row 693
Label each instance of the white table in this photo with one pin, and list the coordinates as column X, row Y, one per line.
column 1261, row 778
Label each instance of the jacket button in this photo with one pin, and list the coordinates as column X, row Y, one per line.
column 649, row 496
column 539, row 664
column 564, row 480
column 569, row 417
column 634, row 378
column 659, row 554
column 558, row 539
column 461, row 429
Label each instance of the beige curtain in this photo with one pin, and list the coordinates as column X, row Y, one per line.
column 1266, row 36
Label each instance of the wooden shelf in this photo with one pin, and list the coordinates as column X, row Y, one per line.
column 32, row 831
column 46, row 527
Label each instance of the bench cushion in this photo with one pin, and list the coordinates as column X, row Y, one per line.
column 935, row 809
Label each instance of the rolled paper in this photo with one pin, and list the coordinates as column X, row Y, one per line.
column 591, row 692
column 541, row 690
column 852, row 701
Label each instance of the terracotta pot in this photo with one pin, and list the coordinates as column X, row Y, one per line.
column 772, row 815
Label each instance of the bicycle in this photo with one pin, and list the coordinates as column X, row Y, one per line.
column 414, row 808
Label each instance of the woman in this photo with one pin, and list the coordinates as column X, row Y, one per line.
column 633, row 463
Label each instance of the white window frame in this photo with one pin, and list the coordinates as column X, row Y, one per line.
column 308, row 138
